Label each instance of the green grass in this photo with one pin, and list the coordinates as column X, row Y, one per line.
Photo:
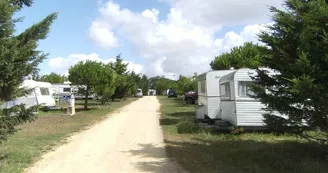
column 203, row 151
column 50, row 129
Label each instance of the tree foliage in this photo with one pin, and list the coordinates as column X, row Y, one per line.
column 143, row 84
column 127, row 81
column 185, row 84
column 104, row 86
column 182, row 85
column 160, row 84
column 52, row 78
column 247, row 55
column 19, row 58
column 122, row 83
column 91, row 74
column 297, row 48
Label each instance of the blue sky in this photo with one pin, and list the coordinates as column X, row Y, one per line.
column 70, row 32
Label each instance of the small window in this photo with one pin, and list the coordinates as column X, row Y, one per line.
column 244, row 89
column 225, row 91
column 67, row 89
column 203, row 86
column 44, row 91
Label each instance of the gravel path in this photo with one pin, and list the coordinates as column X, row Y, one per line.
column 130, row 140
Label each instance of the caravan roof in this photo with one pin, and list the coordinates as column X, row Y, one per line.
column 35, row 84
column 218, row 73
column 244, row 74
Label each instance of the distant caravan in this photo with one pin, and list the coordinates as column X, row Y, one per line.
column 139, row 93
column 40, row 94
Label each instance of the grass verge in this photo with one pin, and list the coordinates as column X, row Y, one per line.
column 49, row 130
column 197, row 150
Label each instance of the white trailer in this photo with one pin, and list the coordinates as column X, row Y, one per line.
column 208, row 107
column 237, row 107
column 79, row 92
column 151, row 92
column 61, row 90
column 41, row 93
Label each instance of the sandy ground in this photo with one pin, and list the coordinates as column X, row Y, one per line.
column 130, row 140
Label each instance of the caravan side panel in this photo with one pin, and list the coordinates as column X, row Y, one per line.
column 250, row 113
column 213, row 92
column 212, row 84
column 228, row 112
column 213, row 107
column 201, row 110
column 212, row 95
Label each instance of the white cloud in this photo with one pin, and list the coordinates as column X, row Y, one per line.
column 61, row 65
column 225, row 12
column 185, row 41
column 103, row 35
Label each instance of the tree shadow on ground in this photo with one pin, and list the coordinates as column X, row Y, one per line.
column 84, row 110
column 89, row 104
column 180, row 114
column 167, row 121
column 246, row 156
column 153, row 159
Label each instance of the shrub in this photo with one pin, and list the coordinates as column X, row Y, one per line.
column 188, row 127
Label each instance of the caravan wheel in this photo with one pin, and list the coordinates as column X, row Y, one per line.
column 189, row 101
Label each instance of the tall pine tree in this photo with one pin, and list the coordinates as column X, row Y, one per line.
column 19, row 58
column 297, row 48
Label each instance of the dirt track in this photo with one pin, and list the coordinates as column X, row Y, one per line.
column 130, row 140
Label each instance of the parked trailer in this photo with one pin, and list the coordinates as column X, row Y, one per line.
column 208, row 107
column 151, row 92
column 41, row 93
column 61, row 90
column 237, row 107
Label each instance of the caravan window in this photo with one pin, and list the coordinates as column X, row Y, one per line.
column 225, row 91
column 244, row 89
column 203, row 86
column 67, row 89
column 44, row 91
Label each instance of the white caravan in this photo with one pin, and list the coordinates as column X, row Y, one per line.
column 61, row 90
column 79, row 93
column 237, row 107
column 41, row 93
column 139, row 93
column 208, row 107
column 151, row 92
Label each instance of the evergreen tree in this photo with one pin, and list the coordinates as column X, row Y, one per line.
column 19, row 58
column 122, row 83
column 297, row 48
